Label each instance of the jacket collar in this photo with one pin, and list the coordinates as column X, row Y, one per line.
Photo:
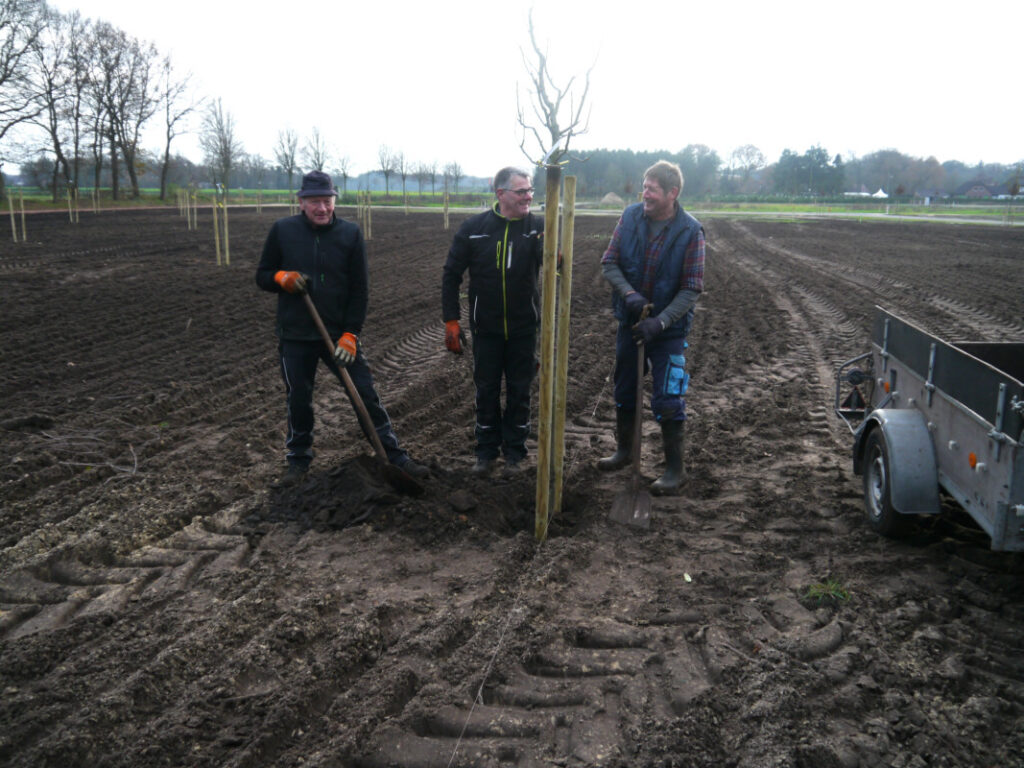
column 500, row 215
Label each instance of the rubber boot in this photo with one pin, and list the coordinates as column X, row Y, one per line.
column 625, row 422
column 672, row 437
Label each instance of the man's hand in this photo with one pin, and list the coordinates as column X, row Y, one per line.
column 345, row 352
column 454, row 336
column 293, row 282
column 635, row 303
column 646, row 330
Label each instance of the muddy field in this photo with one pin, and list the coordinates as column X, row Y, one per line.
column 162, row 604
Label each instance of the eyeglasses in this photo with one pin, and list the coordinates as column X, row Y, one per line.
column 521, row 192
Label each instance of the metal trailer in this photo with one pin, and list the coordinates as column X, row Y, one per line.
column 928, row 415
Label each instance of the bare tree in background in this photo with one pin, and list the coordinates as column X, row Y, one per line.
column 221, row 147
column 128, row 90
column 343, row 169
column 386, row 162
column 548, row 109
column 432, row 171
column 285, row 152
column 49, row 75
column 402, row 169
column 20, row 25
column 454, row 172
column 21, row 22
column 316, row 152
column 421, row 173
column 80, row 61
column 176, row 108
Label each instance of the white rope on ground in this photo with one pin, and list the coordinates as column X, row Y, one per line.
column 478, row 698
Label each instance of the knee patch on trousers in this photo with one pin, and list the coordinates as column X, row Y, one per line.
column 677, row 380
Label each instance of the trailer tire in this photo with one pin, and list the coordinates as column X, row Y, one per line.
column 882, row 516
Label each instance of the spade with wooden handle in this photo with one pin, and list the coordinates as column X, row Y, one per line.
column 632, row 506
column 398, row 479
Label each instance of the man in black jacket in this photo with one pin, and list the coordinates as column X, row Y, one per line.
column 319, row 254
column 502, row 249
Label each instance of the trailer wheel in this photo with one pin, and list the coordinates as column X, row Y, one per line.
column 882, row 516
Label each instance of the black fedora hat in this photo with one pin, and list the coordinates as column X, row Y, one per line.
column 317, row 184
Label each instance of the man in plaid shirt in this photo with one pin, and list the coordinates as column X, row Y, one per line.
column 656, row 259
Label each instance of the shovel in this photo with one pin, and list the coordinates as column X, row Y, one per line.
column 395, row 477
column 632, row 506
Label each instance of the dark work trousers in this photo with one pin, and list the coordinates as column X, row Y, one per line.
column 514, row 359
column 669, row 379
column 299, row 360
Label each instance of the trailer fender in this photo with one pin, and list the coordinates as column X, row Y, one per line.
column 913, row 470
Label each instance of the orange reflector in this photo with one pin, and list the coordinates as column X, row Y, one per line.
column 972, row 459
column 885, row 386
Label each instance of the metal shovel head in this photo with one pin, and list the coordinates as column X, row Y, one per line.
column 398, row 479
column 632, row 506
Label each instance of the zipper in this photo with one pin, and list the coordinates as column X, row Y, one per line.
column 504, row 286
column 317, row 265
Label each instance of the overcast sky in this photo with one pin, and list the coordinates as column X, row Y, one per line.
column 438, row 80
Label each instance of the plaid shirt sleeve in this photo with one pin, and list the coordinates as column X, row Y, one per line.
column 611, row 255
column 692, row 278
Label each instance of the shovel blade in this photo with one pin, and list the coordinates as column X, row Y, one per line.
column 632, row 507
column 390, row 474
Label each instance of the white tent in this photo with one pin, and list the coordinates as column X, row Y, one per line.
column 879, row 193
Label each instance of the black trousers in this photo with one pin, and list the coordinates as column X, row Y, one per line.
column 495, row 358
column 299, row 361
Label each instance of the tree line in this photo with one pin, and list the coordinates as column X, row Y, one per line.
column 815, row 173
column 77, row 94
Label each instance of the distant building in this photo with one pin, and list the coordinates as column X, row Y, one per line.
column 982, row 190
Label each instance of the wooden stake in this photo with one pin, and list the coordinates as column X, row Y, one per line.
column 216, row 228
column 547, row 352
column 21, row 203
column 227, row 240
column 14, row 227
column 562, row 342
column 368, row 234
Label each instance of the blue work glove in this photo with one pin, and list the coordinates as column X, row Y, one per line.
column 646, row 330
column 635, row 303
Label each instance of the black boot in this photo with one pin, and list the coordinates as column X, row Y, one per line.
column 672, row 434
column 625, row 423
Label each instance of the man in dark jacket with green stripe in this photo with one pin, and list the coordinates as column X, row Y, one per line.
column 502, row 248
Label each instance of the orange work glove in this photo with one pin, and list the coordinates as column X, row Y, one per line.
column 293, row 282
column 454, row 337
column 345, row 352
